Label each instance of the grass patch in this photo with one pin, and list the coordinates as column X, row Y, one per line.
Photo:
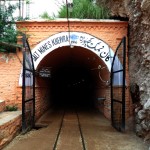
column 11, row 108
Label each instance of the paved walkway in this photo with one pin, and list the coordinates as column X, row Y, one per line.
column 97, row 131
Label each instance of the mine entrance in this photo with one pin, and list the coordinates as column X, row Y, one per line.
column 80, row 77
column 76, row 79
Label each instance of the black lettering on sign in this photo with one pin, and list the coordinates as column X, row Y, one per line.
column 73, row 42
column 28, row 75
column 49, row 44
column 41, row 50
column 91, row 43
column 105, row 55
column 59, row 40
column 83, row 41
column 98, row 47
column 35, row 56
column 67, row 38
column 108, row 57
column 45, row 47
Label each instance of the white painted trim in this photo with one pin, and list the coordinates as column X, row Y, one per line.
column 80, row 39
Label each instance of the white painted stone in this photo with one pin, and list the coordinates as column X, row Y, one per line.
column 137, row 109
column 1, row 101
column 141, row 114
column 147, row 105
column 145, row 4
column 142, row 88
column 144, row 125
column 138, row 128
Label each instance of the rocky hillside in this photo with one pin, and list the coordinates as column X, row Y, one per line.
column 138, row 13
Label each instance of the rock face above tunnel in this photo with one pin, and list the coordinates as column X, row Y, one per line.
column 139, row 55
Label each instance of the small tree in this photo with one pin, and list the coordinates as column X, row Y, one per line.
column 85, row 9
column 8, row 33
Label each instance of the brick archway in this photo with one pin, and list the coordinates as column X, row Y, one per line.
column 48, row 37
column 72, row 39
column 79, row 39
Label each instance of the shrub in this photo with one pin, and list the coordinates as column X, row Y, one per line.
column 11, row 108
column 85, row 9
column 8, row 32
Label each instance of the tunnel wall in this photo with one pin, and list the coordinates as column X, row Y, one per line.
column 42, row 100
column 109, row 31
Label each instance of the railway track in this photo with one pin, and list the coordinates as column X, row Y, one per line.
column 77, row 123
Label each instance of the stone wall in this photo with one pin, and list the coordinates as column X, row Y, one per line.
column 139, row 56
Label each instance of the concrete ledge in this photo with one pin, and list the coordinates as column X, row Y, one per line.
column 75, row 20
column 8, row 116
column 10, row 124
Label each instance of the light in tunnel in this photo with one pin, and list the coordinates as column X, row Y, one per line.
column 100, row 68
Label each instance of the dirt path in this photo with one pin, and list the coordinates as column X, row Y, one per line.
column 97, row 132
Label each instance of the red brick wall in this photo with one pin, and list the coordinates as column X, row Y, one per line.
column 110, row 32
column 10, row 68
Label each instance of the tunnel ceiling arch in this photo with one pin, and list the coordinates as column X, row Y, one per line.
column 72, row 39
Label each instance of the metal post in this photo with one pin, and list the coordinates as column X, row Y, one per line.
column 23, row 94
column 123, row 89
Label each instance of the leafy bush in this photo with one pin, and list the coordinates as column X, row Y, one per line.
column 85, row 9
column 8, row 32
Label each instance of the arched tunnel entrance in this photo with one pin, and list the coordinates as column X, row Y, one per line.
column 79, row 67
column 76, row 78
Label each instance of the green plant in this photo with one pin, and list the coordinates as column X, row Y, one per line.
column 28, row 1
column 85, row 9
column 11, row 108
column 45, row 15
column 8, row 31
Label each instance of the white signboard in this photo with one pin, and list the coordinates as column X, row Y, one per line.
column 80, row 39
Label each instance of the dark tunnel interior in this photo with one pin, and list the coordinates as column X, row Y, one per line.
column 72, row 87
column 74, row 77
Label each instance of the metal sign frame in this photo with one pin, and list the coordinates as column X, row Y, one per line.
column 28, row 88
column 118, row 98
